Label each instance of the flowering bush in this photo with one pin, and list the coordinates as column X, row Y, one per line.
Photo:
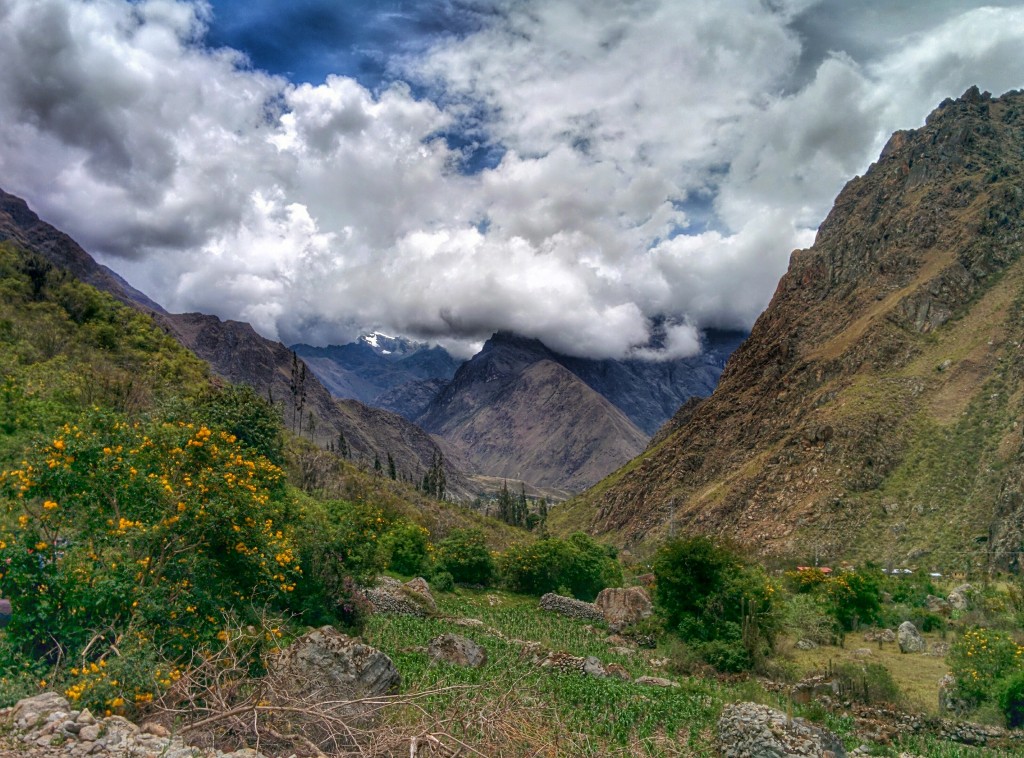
column 408, row 549
column 981, row 659
column 464, row 555
column 120, row 534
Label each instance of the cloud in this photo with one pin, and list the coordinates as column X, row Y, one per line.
column 659, row 159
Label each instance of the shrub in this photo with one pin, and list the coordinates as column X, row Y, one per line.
column 578, row 566
column 980, row 658
column 442, row 581
column 869, row 683
column 464, row 555
column 408, row 549
column 1011, row 700
column 804, row 617
column 709, row 595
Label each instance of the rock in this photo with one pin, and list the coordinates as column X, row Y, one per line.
column 593, row 667
column 34, row 710
column 813, row 688
column 85, row 717
column 335, row 667
column 420, row 587
column 862, row 652
column 469, row 623
column 880, row 635
column 571, row 607
column 749, row 730
column 656, row 681
column 624, row 606
column 960, row 597
column 806, row 645
column 89, row 733
column 458, row 650
column 936, row 604
column 618, row 671
column 950, row 699
column 625, row 651
column 909, row 639
column 157, row 730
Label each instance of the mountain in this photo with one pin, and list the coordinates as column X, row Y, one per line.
column 393, row 373
column 237, row 353
column 874, row 411
column 513, row 412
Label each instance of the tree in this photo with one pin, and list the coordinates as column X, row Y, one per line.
column 391, row 467
column 343, row 450
column 376, row 464
column 434, row 481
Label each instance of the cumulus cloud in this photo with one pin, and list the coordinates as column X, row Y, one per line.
column 660, row 159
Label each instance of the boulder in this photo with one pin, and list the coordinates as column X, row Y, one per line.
column 593, row 667
column 618, row 670
column 936, row 604
column 803, row 644
column 749, row 730
column 333, row 666
column 960, row 598
column 458, row 650
column 391, row 597
column 909, row 639
column 656, row 681
column 624, row 606
column 950, row 699
column 570, row 606
column 420, row 587
column 31, row 710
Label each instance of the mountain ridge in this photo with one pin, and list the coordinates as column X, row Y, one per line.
column 871, row 411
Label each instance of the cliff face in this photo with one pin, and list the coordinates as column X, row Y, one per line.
column 873, row 410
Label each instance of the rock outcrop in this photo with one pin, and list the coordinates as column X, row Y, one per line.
column 910, row 639
column 457, row 650
column 749, row 730
column 623, row 606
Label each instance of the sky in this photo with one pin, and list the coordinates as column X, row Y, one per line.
column 572, row 170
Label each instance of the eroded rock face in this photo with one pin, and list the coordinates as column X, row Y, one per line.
column 749, row 730
column 909, row 639
column 334, row 666
column 623, row 606
column 455, row 648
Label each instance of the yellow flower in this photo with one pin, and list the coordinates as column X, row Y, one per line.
column 49, row 505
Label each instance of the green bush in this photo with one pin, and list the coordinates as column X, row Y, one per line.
column 579, row 566
column 980, row 658
column 464, row 555
column 870, row 683
column 442, row 581
column 804, row 617
column 1011, row 700
column 710, row 595
column 408, row 549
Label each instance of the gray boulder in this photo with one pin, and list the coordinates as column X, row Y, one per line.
column 28, row 712
column 960, row 597
column 749, row 730
column 458, row 650
column 334, row 667
column 592, row 666
column 392, row 598
column 909, row 639
column 936, row 604
column 623, row 606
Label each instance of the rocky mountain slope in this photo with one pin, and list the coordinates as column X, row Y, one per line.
column 875, row 410
column 514, row 413
column 238, row 354
column 396, row 374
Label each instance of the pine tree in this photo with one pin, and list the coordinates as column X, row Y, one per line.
column 376, row 464
column 391, row 467
column 343, row 450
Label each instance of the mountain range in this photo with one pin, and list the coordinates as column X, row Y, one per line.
column 875, row 411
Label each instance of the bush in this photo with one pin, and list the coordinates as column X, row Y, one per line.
column 980, row 659
column 408, row 549
column 870, row 683
column 804, row 617
column 442, row 581
column 1011, row 700
column 852, row 598
column 709, row 595
column 578, row 566
column 464, row 555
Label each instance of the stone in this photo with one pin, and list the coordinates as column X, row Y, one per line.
column 89, row 733
column 656, row 681
column 750, row 730
column 862, row 652
column 335, row 667
column 618, row 671
column 624, row 606
column 936, row 604
column 34, row 710
column 571, row 607
column 420, row 587
column 157, row 730
column 85, row 717
column 960, row 597
column 909, row 639
column 806, row 645
column 950, row 699
column 458, row 650
column 593, row 667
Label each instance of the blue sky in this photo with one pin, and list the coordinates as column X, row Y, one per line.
column 568, row 169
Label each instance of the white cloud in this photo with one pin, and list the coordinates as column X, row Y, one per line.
column 318, row 211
